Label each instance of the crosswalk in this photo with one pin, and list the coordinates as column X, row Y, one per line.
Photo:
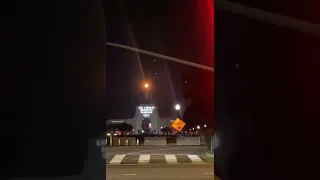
column 154, row 159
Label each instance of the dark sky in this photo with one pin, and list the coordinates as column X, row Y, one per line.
column 179, row 29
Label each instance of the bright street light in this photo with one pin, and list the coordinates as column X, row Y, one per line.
column 198, row 127
column 146, row 85
column 177, row 107
column 205, row 125
column 192, row 128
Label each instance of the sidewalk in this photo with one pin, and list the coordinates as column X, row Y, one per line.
column 211, row 155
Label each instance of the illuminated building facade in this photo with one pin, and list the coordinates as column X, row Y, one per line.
column 145, row 119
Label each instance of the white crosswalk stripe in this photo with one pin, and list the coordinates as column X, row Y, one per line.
column 144, row 159
column 150, row 159
column 117, row 159
column 195, row 159
column 171, row 159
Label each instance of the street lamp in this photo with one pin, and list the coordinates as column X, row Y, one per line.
column 146, row 85
column 177, row 107
column 198, row 127
column 205, row 125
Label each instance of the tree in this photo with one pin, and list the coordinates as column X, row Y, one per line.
column 125, row 127
column 166, row 130
column 122, row 127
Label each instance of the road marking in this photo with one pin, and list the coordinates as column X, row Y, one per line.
column 144, row 158
column 129, row 174
column 208, row 173
column 117, row 159
column 195, row 159
column 171, row 159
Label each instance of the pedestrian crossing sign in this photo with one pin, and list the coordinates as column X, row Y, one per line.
column 178, row 125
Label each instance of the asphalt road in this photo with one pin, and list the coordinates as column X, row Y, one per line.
column 161, row 172
column 165, row 149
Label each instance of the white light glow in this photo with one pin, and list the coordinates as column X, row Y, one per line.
column 177, row 107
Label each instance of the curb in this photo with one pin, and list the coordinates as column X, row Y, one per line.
column 210, row 155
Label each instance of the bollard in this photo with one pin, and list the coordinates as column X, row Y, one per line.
column 127, row 142
column 110, row 140
column 119, row 142
column 137, row 141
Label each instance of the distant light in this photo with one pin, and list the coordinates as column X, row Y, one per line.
column 198, row 127
column 146, row 85
column 205, row 125
column 155, row 73
column 177, row 107
column 115, row 134
column 192, row 128
column 186, row 82
column 132, row 129
column 108, row 134
column 154, row 60
column 142, row 131
column 189, row 129
column 161, row 127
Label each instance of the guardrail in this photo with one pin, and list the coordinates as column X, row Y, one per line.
column 154, row 140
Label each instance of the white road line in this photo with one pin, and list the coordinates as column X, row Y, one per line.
column 117, row 159
column 171, row 159
column 129, row 174
column 144, row 158
column 195, row 159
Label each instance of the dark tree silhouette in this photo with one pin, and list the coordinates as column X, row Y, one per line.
column 166, row 130
column 123, row 127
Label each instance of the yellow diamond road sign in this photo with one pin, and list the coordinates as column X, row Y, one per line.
column 178, row 125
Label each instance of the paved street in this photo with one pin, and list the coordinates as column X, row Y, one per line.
column 165, row 149
column 159, row 172
column 157, row 159
column 158, row 162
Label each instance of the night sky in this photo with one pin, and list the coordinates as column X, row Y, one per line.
column 181, row 29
